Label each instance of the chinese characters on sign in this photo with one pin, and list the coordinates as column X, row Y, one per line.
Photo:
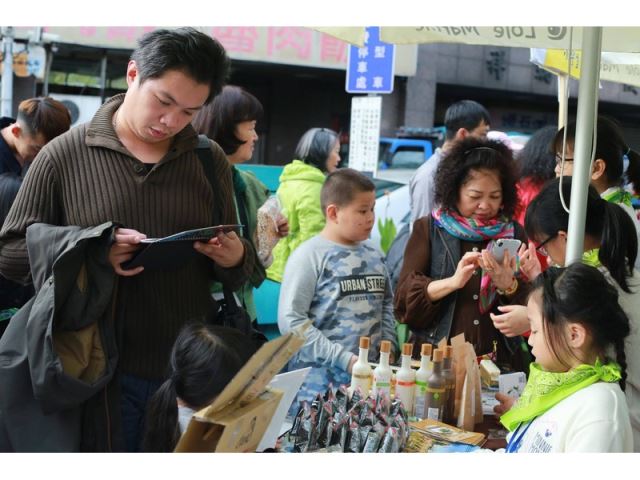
column 370, row 67
column 365, row 134
column 542, row 75
column 496, row 65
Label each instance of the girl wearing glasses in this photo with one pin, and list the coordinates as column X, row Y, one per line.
column 615, row 165
column 610, row 244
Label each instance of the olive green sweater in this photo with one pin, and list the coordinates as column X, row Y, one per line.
column 86, row 177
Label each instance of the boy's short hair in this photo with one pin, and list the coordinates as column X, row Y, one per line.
column 44, row 115
column 341, row 187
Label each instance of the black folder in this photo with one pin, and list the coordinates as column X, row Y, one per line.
column 174, row 251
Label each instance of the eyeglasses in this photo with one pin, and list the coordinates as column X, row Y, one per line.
column 559, row 159
column 541, row 248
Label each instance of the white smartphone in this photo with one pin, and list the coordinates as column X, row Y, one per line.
column 502, row 245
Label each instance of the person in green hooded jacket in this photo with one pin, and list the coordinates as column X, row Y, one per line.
column 230, row 120
column 317, row 155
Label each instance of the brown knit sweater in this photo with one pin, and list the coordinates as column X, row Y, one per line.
column 86, row 177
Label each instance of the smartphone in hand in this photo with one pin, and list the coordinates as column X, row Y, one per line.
column 502, row 245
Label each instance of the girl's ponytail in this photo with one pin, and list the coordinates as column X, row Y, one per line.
column 621, row 358
column 619, row 244
column 161, row 422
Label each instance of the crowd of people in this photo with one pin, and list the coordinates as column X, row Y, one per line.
column 152, row 342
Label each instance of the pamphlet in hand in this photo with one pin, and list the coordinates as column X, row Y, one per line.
column 202, row 234
column 174, row 251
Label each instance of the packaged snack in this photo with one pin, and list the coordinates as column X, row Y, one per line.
column 267, row 229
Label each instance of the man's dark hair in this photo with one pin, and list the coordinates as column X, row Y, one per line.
column 44, row 115
column 464, row 114
column 341, row 187
column 219, row 119
column 184, row 49
column 472, row 154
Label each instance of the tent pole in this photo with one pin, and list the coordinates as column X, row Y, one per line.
column 587, row 96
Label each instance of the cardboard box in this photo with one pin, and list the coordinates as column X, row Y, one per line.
column 239, row 416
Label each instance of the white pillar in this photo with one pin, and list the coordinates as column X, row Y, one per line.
column 587, row 111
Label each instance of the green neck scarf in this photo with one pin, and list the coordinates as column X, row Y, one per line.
column 619, row 195
column 590, row 257
column 546, row 389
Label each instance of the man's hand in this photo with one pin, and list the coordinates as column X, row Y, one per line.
column 226, row 249
column 127, row 241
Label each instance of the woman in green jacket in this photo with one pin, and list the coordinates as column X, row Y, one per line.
column 317, row 154
column 230, row 120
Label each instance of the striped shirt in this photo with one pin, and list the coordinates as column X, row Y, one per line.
column 86, row 177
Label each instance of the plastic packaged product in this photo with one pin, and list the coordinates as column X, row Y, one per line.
column 354, row 442
column 342, row 399
column 390, row 441
column 267, row 229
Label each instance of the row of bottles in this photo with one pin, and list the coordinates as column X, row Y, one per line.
column 428, row 392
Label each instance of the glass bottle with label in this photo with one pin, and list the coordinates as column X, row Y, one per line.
column 450, row 386
column 422, row 377
column 361, row 374
column 436, row 389
column 406, row 379
column 382, row 373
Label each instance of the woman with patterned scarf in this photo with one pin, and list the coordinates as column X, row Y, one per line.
column 450, row 282
column 574, row 400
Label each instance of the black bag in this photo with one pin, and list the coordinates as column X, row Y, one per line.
column 230, row 314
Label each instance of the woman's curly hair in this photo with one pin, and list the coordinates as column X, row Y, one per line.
column 475, row 154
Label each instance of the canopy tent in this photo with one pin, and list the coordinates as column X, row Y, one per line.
column 590, row 41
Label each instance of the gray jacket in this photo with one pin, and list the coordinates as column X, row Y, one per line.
column 59, row 350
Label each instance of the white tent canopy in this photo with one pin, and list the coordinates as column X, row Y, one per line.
column 589, row 40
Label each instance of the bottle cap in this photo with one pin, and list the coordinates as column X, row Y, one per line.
column 437, row 355
column 448, row 351
column 364, row 342
column 407, row 349
column 426, row 349
column 385, row 346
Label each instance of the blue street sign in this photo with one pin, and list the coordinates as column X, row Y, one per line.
column 370, row 67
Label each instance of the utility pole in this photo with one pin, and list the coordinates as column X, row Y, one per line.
column 6, row 107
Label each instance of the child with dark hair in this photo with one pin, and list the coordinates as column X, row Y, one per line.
column 203, row 361
column 609, row 244
column 614, row 165
column 574, row 400
column 339, row 281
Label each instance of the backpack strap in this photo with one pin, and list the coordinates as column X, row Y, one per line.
column 203, row 150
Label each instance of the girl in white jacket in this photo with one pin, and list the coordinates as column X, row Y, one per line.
column 574, row 400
